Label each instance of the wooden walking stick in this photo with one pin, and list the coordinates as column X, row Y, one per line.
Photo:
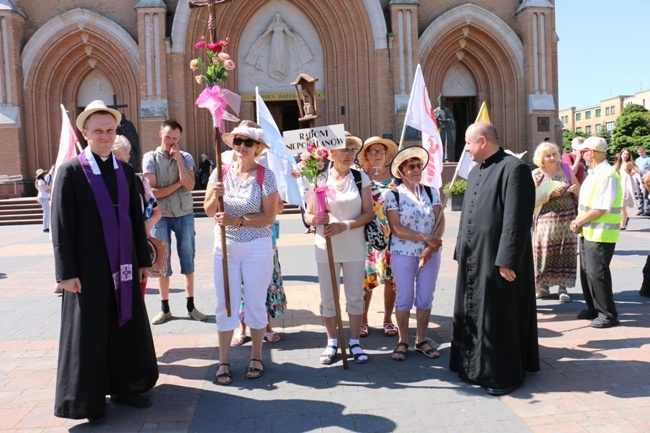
column 212, row 30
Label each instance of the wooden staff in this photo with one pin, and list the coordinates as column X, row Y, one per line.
column 335, row 288
column 212, row 29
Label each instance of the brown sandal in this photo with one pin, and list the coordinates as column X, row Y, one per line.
column 400, row 355
column 225, row 375
column 253, row 372
column 430, row 352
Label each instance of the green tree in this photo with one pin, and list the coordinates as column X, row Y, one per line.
column 632, row 129
column 567, row 137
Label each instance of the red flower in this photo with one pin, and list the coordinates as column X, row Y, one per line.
column 199, row 44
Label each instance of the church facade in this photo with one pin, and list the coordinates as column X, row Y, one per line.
column 136, row 54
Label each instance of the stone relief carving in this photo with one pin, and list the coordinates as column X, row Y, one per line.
column 279, row 51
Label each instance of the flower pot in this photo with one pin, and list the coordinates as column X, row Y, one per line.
column 457, row 202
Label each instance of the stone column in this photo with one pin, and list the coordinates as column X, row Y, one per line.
column 537, row 18
column 153, row 70
column 405, row 53
column 13, row 160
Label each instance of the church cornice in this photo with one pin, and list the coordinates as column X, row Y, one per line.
column 9, row 5
column 534, row 4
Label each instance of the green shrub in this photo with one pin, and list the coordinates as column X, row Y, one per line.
column 459, row 187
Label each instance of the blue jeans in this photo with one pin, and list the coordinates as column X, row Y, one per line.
column 183, row 227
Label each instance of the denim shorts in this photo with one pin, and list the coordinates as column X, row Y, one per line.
column 183, row 227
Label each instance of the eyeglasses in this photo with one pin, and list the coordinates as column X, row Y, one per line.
column 413, row 166
column 377, row 152
column 348, row 150
column 248, row 142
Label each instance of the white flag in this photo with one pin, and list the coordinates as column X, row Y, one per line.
column 465, row 165
column 419, row 115
column 280, row 162
column 67, row 142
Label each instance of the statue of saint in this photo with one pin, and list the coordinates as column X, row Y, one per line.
column 127, row 129
column 278, row 51
column 307, row 104
column 447, row 128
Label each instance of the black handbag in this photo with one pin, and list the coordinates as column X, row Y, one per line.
column 375, row 236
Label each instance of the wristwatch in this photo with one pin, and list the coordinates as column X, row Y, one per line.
column 574, row 225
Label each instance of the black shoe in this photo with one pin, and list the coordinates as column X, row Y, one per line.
column 135, row 400
column 587, row 315
column 99, row 419
column 604, row 323
column 644, row 292
column 497, row 392
column 46, row 230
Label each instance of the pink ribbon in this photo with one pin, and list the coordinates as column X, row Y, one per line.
column 319, row 195
column 217, row 100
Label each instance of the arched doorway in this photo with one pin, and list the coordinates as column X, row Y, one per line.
column 459, row 90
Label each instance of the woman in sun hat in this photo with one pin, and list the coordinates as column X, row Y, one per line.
column 374, row 156
column 412, row 210
column 43, row 197
column 250, row 197
column 344, row 223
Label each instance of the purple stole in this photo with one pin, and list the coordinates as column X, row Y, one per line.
column 118, row 233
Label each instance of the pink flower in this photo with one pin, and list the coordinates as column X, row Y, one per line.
column 199, row 44
column 229, row 65
column 311, row 148
column 321, row 153
column 213, row 47
column 320, row 165
column 199, row 79
column 223, row 56
column 194, row 64
column 305, row 155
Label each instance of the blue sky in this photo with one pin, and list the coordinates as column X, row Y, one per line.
column 603, row 51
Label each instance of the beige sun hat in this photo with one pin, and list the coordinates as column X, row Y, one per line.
column 595, row 143
column 94, row 107
column 247, row 128
column 349, row 139
column 39, row 172
column 391, row 150
column 406, row 154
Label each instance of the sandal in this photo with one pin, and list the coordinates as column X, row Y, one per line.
column 253, row 372
column 360, row 356
column 328, row 355
column 389, row 329
column 400, row 355
column 238, row 339
column 364, row 330
column 430, row 352
column 226, row 375
column 272, row 337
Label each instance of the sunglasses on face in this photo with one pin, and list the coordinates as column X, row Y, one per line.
column 413, row 166
column 377, row 152
column 238, row 141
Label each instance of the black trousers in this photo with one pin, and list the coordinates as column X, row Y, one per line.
column 596, row 278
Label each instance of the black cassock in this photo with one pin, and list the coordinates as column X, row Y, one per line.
column 494, row 339
column 96, row 356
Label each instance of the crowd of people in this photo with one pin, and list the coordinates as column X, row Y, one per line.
column 525, row 245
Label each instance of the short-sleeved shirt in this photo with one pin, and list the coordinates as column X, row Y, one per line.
column 415, row 213
column 605, row 196
column 149, row 164
column 243, row 197
column 569, row 159
column 643, row 162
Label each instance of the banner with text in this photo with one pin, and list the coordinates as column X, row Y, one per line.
column 328, row 137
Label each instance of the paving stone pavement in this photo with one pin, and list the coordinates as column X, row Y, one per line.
column 591, row 380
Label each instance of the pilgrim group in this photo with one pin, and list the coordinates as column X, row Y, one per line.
column 103, row 213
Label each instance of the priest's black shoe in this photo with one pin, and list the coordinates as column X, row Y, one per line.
column 99, row 419
column 587, row 315
column 644, row 292
column 134, row 400
column 497, row 392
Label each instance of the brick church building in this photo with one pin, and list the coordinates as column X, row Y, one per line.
column 135, row 54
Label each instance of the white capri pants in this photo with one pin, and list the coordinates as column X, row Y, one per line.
column 353, row 275
column 410, row 291
column 250, row 263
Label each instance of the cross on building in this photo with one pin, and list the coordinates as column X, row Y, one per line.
column 115, row 105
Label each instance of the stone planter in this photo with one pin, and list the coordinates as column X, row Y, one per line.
column 457, row 202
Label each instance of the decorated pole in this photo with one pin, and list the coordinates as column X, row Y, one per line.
column 216, row 100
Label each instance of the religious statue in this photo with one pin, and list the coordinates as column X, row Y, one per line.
column 127, row 129
column 307, row 105
column 278, row 51
column 447, row 128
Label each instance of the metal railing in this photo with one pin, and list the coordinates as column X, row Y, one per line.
column 7, row 179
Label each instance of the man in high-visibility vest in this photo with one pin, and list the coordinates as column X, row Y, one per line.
column 598, row 223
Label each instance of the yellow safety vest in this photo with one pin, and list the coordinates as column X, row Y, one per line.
column 606, row 227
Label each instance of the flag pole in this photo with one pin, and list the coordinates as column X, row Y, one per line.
column 406, row 115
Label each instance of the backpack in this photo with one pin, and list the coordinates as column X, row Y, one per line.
column 374, row 234
column 259, row 175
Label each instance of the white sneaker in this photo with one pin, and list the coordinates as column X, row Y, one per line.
column 563, row 295
column 197, row 315
column 161, row 318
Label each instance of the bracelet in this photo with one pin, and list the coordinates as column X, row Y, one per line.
column 347, row 225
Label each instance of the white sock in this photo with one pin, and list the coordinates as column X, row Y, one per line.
column 357, row 350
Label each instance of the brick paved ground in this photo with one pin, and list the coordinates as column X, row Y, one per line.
column 591, row 380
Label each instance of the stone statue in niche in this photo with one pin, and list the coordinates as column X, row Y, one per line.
column 447, row 128
column 307, row 104
column 279, row 50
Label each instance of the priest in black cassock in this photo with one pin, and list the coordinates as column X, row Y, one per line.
column 100, row 254
column 494, row 339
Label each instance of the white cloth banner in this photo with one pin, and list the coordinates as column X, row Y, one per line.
column 419, row 115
